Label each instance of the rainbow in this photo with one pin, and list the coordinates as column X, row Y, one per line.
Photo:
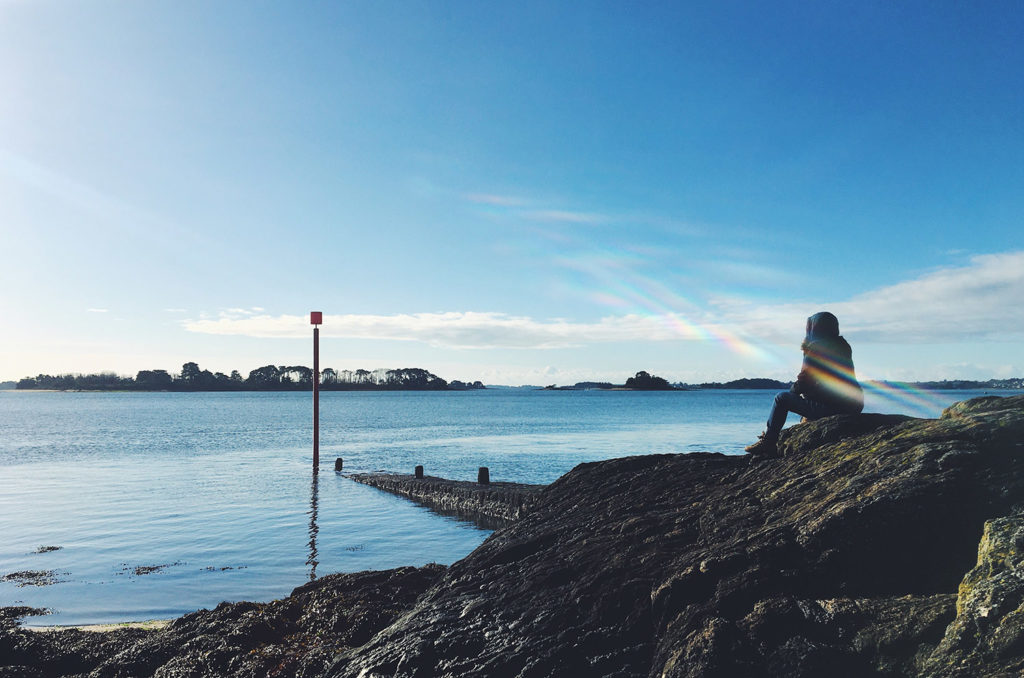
column 653, row 300
column 918, row 400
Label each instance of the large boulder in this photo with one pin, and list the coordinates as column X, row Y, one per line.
column 843, row 557
column 987, row 636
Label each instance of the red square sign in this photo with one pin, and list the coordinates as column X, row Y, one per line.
column 316, row 318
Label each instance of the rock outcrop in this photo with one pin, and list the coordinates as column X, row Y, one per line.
column 843, row 557
column 876, row 546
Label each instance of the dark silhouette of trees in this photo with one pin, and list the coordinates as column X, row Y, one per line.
column 297, row 374
column 412, row 378
column 408, row 378
column 194, row 379
column 456, row 385
column 647, row 382
column 266, row 378
column 104, row 381
column 153, row 380
column 749, row 384
column 263, row 376
column 190, row 373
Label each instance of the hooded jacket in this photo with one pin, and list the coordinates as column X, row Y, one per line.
column 827, row 374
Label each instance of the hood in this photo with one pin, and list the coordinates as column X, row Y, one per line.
column 821, row 325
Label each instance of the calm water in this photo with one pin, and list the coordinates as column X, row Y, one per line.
column 216, row 487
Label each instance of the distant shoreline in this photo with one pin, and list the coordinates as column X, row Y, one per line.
column 273, row 378
column 266, row 378
column 773, row 385
column 675, row 389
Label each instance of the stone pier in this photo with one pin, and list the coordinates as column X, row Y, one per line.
column 492, row 506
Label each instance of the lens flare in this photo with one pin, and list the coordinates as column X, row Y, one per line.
column 612, row 281
column 907, row 398
column 919, row 401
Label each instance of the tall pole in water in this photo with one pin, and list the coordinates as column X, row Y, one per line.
column 316, row 318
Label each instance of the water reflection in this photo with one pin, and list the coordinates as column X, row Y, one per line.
column 314, row 498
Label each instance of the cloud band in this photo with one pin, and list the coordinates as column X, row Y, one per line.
column 980, row 301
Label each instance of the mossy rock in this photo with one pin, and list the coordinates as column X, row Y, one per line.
column 987, row 636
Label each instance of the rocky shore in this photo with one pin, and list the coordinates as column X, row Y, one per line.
column 876, row 546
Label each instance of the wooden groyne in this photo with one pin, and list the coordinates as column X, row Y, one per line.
column 490, row 505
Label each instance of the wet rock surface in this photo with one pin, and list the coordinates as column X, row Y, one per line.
column 10, row 616
column 296, row 636
column 875, row 546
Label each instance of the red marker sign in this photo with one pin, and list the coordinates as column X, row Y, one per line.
column 316, row 318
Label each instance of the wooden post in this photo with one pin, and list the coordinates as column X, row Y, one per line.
column 338, row 463
column 418, row 472
column 483, row 476
column 315, row 318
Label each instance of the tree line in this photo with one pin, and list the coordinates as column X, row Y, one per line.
column 641, row 381
column 266, row 378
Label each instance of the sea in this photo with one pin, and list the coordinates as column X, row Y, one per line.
column 134, row 506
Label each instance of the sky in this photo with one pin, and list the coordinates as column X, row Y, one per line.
column 520, row 193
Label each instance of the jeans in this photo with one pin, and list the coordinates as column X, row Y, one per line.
column 786, row 402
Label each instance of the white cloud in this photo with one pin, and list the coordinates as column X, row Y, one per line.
column 980, row 301
column 96, row 310
column 452, row 330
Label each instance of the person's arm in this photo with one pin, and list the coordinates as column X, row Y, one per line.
column 803, row 379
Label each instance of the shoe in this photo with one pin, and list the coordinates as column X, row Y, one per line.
column 762, row 448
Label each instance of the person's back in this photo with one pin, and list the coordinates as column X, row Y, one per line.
column 827, row 374
column 826, row 384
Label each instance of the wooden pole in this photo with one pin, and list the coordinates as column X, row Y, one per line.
column 316, row 398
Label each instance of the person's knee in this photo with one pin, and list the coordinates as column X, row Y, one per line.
column 782, row 398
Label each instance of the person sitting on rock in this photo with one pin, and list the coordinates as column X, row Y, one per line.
column 826, row 384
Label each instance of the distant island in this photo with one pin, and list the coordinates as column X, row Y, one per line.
column 641, row 381
column 266, row 378
column 644, row 381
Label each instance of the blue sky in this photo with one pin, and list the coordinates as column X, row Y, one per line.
column 529, row 192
